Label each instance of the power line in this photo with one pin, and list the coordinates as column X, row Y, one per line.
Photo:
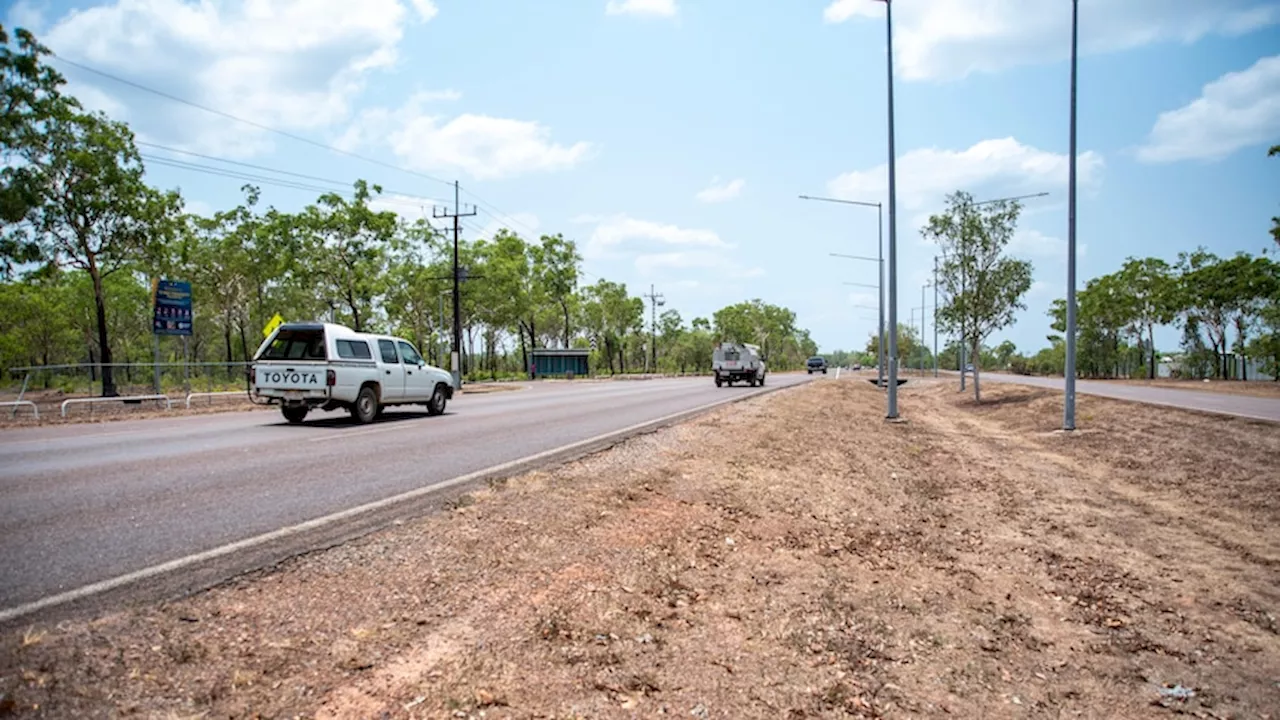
column 285, row 183
column 260, row 126
column 282, row 133
column 174, row 162
column 263, row 168
column 500, row 215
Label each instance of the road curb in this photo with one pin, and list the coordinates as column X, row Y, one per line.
column 261, row 553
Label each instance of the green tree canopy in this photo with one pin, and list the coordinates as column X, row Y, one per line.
column 981, row 288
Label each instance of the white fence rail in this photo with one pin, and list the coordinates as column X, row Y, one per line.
column 191, row 396
column 15, row 404
column 168, row 404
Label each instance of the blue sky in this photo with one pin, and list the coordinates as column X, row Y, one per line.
column 670, row 138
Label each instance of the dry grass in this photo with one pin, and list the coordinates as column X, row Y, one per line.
column 790, row 557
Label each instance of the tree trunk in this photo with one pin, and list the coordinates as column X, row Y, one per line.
column 1151, row 338
column 104, row 345
column 524, row 354
column 565, row 307
column 977, row 367
column 244, row 342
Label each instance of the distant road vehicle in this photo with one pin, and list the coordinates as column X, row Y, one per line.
column 302, row 366
column 857, row 366
column 737, row 362
column 817, row 364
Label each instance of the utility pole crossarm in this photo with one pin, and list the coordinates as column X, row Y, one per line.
column 456, row 215
column 656, row 299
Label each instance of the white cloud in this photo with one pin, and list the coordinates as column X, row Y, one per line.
column 289, row 64
column 410, row 209
column 654, row 8
column 615, row 231
column 662, row 250
column 481, row 146
column 947, row 39
column 1035, row 245
column 1238, row 110
column 995, row 168
column 197, row 207
column 717, row 192
column 664, row 263
column 24, row 14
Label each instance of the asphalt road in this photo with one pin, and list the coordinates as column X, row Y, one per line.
column 1258, row 408
column 82, row 504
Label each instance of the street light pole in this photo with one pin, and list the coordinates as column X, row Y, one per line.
column 1069, row 372
column 935, row 316
column 922, row 330
column 879, row 287
column 892, row 413
column 963, row 340
column 880, row 269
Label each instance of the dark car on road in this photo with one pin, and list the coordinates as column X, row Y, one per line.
column 817, row 364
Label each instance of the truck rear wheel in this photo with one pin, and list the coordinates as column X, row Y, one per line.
column 294, row 413
column 719, row 382
column 365, row 409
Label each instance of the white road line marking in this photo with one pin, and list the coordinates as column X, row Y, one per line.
column 121, row 580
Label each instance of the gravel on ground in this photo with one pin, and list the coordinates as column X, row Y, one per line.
column 792, row 556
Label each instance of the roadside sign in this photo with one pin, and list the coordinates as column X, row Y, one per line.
column 171, row 303
column 593, row 344
column 275, row 322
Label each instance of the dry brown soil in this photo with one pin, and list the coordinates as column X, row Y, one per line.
column 793, row 556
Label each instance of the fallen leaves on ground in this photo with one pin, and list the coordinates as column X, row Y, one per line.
column 792, row 556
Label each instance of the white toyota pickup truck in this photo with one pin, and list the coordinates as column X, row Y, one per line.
column 306, row 365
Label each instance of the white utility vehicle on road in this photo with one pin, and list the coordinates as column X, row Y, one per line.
column 306, row 365
column 734, row 362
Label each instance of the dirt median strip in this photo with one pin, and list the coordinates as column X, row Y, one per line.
column 790, row 556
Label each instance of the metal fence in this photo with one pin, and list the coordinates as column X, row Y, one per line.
column 53, row 390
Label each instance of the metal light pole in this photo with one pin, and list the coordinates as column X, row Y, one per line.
column 922, row 329
column 892, row 413
column 935, row 316
column 963, row 340
column 880, row 291
column 880, row 259
column 880, row 344
column 1069, row 373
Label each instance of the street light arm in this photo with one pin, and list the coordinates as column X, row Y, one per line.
column 844, row 202
column 854, row 257
column 1009, row 199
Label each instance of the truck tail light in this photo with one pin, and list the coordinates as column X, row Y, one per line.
column 330, row 378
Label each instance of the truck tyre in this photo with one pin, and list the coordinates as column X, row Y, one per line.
column 366, row 407
column 435, row 406
column 762, row 381
column 719, row 382
column 824, row 371
column 294, row 413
